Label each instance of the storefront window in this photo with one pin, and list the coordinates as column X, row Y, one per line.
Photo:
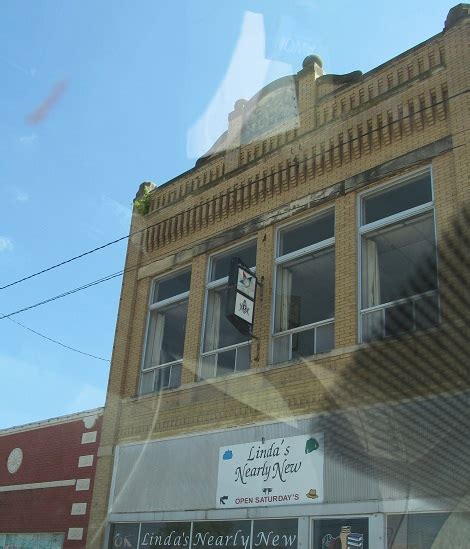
column 419, row 531
column 224, row 534
column 343, row 533
column 31, row 541
column 124, row 535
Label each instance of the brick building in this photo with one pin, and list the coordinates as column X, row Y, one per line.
column 47, row 472
column 339, row 422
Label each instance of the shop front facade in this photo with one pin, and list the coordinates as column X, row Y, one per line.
column 324, row 482
column 290, row 361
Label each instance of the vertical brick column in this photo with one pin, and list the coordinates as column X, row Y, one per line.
column 195, row 319
column 346, row 275
column 264, row 272
column 116, row 386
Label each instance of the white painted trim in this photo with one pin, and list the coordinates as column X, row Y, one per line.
column 89, row 437
column 75, row 534
column 82, row 485
column 86, row 461
column 53, row 421
column 323, row 244
column 169, row 301
column 78, row 509
column 38, row 485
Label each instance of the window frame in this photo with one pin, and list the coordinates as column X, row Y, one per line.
column 161, row 305
column 291, row 256
column 368, row 228
column 211, row 285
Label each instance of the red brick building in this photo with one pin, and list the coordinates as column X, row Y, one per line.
column 47, row 471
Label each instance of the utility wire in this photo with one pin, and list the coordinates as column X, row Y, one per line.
column 139, row 265
column 298, row 162
column 56, row 341
column 69, row 292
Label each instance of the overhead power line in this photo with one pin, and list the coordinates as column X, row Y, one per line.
column 56, row 341
column 299, row 162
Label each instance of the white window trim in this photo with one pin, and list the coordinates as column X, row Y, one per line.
column 367, row 228
column 152, row 306
column 219, row 283
column 281, row 259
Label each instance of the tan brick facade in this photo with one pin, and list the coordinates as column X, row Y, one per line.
column 357, row 133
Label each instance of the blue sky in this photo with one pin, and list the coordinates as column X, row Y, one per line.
column 142, row 89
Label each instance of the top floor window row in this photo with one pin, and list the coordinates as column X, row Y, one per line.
column 398, row 288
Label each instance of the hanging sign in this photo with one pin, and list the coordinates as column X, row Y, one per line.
column 283, row 471
column 241, row 297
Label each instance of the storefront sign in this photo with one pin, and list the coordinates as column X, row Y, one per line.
column 282, row 471
column 220, row 534
column 241, row 296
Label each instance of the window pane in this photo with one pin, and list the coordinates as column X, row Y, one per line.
column 147, row 383
column 426, row 312
column 243, row 358
column 397, row 199
column 399, row 319
column 170, row 287
column 305, row 291
column 372, row 325
column 208, row 366
column 219, row 332
column 303, row 343
column 226, row 363
column 306, row 234
column 281, row 349
column 175, row 377
column 325, row 338
column 221, row 263
column 165, row 340
column 163, row 378
column 174, row 332
column 399, row 261
column 416, row 531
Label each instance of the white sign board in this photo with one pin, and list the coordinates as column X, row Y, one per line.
column 283, row 471
column 246, row 282
column 244, row 308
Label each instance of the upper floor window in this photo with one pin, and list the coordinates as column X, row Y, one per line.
column 164, row 344
column 398, row 259
column 224, row 349
column 305, row 289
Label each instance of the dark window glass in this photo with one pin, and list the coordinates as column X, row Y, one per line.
column 303, row 343
column 220, row 332
column 170, row 287
column 397, row 199
column 282, row 534
column 421, row 531
column 235, row 534
column 124, row 535
column 221, row 263
column 165, row 340
column 399, row 261
column 226, row 363
column 306, row 234
column 167, row 535
column 305, row 290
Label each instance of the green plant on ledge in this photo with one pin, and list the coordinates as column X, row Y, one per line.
column 142, row 204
